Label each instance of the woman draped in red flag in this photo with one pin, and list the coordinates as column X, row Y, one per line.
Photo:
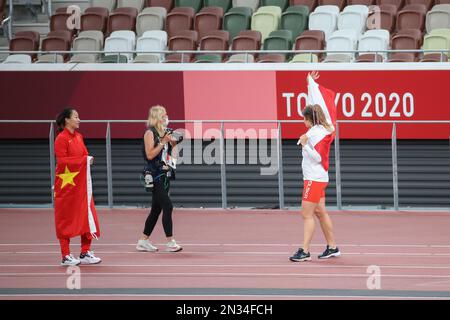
column 73, row 191
column 320, row 119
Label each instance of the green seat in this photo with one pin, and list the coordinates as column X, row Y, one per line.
column 266, row 20
column 437, row 39
column 236, row 20
column 114, row 58
column 283, row 4
column 225, row 4
column 296, row 20
column 279, row 40
column 196, row 4
column 298, row 9
column 208, row 58
column 305, row 58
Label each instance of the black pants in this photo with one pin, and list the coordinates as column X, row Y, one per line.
column 160, row 202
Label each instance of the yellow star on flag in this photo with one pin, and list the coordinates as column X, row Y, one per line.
column 67, row 177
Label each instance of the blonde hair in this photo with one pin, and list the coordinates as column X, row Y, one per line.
column 315, row 115
column 155, row 115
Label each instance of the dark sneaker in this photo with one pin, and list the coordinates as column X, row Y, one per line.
column 300, row 255
column 328, row 253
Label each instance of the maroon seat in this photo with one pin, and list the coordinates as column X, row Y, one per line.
column 25, row 41
column 122, row 19
column 93, row 21
column 434, row 57
column 339, row 3
column 361, row 2
column 182, row 40
column 168, row 4
column 208, row 19
column 179, row 19
column 369, row 57
column 311, row 4
column 215, row 40
column 412, row 17
column 397, row 3
column 58, row 22
column 98, row 10
column 247, row 40
column 311, row 40
column 402, row 57
column 406, row 40
column 60, row 40
column 427, row 3
column 442, row 1
column 388, row 15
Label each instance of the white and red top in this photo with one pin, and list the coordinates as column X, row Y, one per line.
column 316, row 152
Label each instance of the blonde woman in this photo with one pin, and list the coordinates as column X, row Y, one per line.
column 157, row 141
column 319, row 119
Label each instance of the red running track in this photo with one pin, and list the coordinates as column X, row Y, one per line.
column 232, row 254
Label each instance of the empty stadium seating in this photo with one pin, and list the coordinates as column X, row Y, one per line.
column 87, row 41
column 438, row 17
column 208, row 19
column 117, row 45
column 295, row 19
column 152, row 18
column 182, row 40
column 167, row 4
column 180, row 18
column 253, row 4
column 153, row 40
column 216, row 40
column 236, row 20
column 324, row 18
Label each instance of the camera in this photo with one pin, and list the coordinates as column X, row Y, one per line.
column 148, row 181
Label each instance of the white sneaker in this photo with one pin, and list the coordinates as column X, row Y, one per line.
column 172, row 246
column 144, row 245
column 69, row 260
column 89, row 258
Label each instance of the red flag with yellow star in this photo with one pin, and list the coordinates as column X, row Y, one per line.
column 73, row 193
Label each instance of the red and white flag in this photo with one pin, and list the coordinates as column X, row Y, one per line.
column 75, row 212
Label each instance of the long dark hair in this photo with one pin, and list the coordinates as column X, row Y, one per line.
column 315, row 115
column 61, row 118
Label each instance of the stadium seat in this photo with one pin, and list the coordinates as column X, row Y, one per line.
column 182, row 40
column 59, row 40
column 373, row 40
column 122, row 19
column 341, row 40
column 277, row 40
column 283, row 4
column 116, row 46
column 353, row 17
column 24, row 41
column 247, row 40
column 272, row 58
column 236, row 20
column 311, row 4
column 360, row 2
column 216, row 40
column 104, row 12
column 442, row 1
column 411, row 17
column 253, row 4
column 208, row 19
column 406, row 40
column 339, row 3
column 108, row 4
column 434, row 57
column 167, row 4
column 92, row 20
column 309, row 40
column 266, row 20
column 295, row 19
column 87, row 41
column 195, row 4
column 324, row 19
column 438, row 39
column 179, row 19
column 241, row 58
column 428, row 3
column 397, row 3
column 137, row 4
column 224, row 4
column 438, row 17
column 18, row 58
column 58, row 22
column 152, row 18
column 387, row 19
column 153, row 40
